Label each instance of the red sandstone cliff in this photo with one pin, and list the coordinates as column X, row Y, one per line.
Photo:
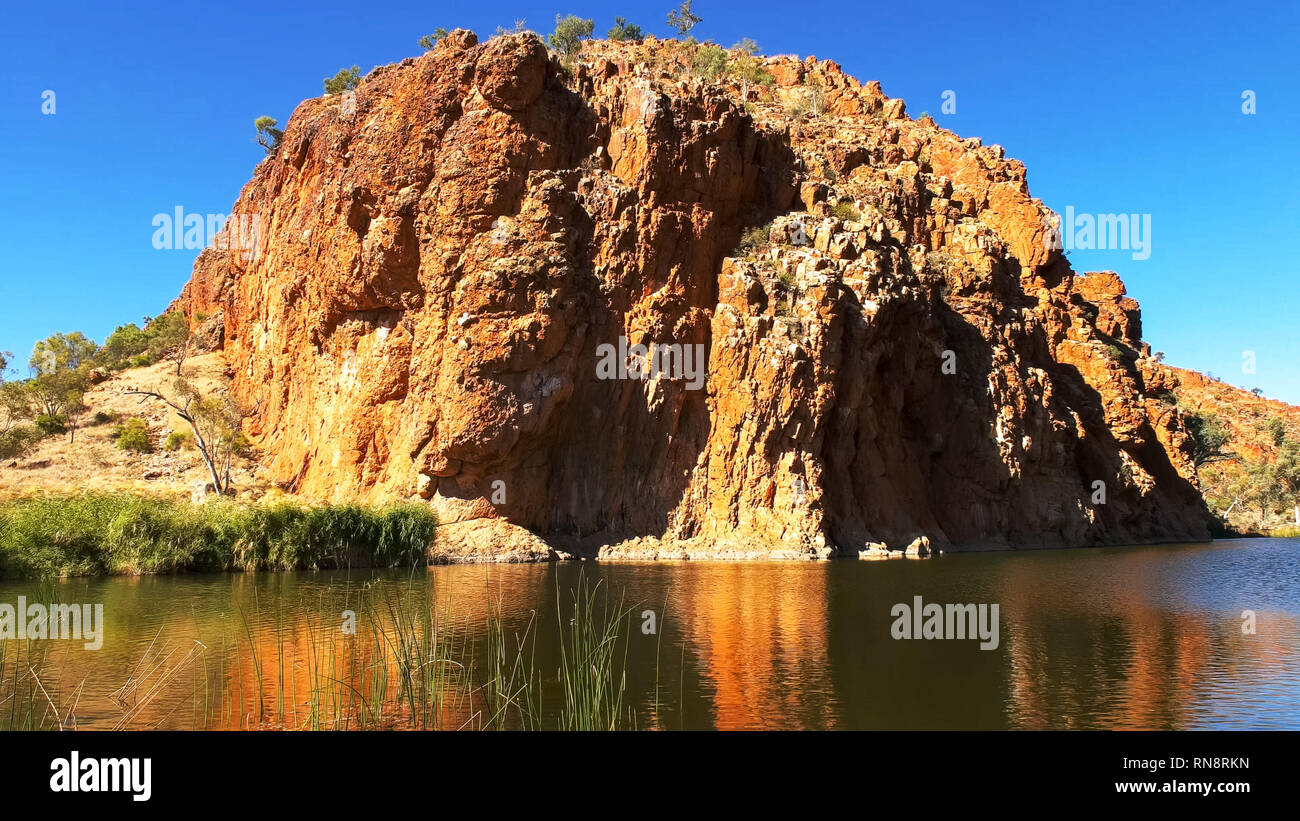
column 899, row 360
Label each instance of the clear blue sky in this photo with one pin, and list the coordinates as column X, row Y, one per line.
column 1115, row 107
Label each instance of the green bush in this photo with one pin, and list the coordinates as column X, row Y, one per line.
column 104, row 417
column 846, row 210
column 754, row 239
column 51, row 423
column 1207, row 437
column 121, row 347
column 623, row 30
column 346, row 80
column 429, row 41
column 1276, row 431
column 178, row 439
column 97, row 533
column 18, row 440
column 569, row 33
column 710, row 61
column 133, row 435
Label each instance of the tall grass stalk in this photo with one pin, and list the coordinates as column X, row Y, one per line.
column 592, row 673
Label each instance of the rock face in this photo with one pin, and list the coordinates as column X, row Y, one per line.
column 454, row 265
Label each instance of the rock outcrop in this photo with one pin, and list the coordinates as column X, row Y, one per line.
column 454, row 266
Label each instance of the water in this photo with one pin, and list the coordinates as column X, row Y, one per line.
column 1117, row 638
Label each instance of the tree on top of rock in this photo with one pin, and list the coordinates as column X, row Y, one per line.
column 346, row 80
column 683, row 19
column 623, row 30
column 569, row 33
column 749, row 67
column 428, row 41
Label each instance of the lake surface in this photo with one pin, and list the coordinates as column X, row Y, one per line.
column 1114, row 638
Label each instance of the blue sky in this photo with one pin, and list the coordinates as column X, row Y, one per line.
column 1114, row 108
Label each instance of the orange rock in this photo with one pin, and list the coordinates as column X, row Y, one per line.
column 438, row 270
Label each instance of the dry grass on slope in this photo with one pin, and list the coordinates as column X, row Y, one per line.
column 88, row 458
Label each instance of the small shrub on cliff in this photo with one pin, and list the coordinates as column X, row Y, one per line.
column 748, row 66
column 1208, row 436
column 428, row 41
column 133, row 436
column 710, row 61
column 846, row 211
column 754, row 239
column 268, row 136
column 1276, row 431
column 569, row 33
column 178, row 439
column 623, row 30
column 1115, row 353
column 346, row 80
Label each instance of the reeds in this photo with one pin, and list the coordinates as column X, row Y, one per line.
column 113, row 533
column 383, row 655
column 593, row 669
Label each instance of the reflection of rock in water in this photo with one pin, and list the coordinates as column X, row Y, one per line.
column 1094, row 650
column 759, row 634
column 436, row 619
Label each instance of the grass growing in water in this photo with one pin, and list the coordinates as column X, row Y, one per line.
column 593, row 670
column 413, row 661
column 117, row 533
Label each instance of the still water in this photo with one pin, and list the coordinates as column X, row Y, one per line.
column 1116, row 638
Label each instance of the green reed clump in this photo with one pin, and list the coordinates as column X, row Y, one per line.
column 118, row 533
column 593, row 669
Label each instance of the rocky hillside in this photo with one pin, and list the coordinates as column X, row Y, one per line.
column 891, row 357
column 88, row 457
column 1252, row 481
